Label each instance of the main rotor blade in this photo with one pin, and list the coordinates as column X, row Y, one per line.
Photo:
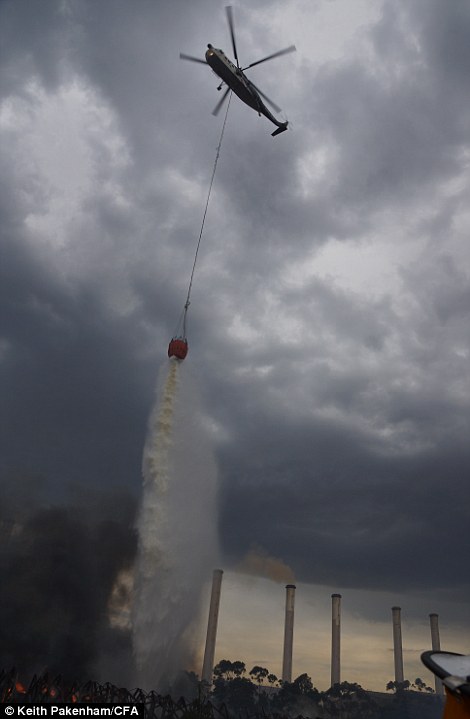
column 216, row 109
column 193, row 59
column 265, row 97
column 229, row 12
column 286, row 50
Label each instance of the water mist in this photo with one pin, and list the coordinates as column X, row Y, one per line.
column 177, row 526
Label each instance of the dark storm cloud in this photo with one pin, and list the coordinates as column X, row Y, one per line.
column 342, row 415
column 397, row 138
column 395, row 133
column 350, row 517
column 60, row 347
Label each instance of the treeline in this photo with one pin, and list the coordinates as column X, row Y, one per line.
column 276, row 698
column 261, row 691
column 232, row 696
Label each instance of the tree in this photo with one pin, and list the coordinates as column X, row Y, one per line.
column 259, row 674
column 239, row 668
column 302, row 685
column 421, row 686
column 228, row 670
column 398, row 687
column 237, row 693
column 349, row 701
column 297, row 697
column 231, row 688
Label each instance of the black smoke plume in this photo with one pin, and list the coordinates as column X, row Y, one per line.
column 58, row 564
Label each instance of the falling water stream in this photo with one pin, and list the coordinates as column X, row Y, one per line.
column 177, row 529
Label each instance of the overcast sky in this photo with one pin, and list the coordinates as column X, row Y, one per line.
column 330, row 317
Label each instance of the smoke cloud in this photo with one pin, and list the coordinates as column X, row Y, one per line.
column 259, row 563
column 58, row 565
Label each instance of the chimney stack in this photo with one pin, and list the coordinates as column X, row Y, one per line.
column 288, row 634
column 397, row 644
column 436, row 647
column 335, row 638
column 209, row 652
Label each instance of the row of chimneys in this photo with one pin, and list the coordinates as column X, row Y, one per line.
column 209, row 653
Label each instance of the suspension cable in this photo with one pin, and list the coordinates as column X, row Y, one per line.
column 187, row 303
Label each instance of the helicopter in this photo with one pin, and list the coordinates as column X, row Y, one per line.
column 233, row 76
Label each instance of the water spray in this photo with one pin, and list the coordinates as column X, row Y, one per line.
column 177, row 528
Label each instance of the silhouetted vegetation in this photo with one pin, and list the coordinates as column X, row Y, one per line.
column 231, row 689
column 270, row 697
column 234, row 696
column 417, row 685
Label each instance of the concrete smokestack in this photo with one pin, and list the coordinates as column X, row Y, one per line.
column 335, row 638
column 397, row 644
column 436, row 646
column 288, row 634
column 209, row 652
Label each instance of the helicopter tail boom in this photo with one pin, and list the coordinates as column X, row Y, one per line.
column 280, row 129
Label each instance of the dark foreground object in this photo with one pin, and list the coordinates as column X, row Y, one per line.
column 46, row 689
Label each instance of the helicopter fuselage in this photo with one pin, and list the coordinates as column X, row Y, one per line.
column 237, row 81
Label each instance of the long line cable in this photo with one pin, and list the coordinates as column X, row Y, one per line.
column 187, row 303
